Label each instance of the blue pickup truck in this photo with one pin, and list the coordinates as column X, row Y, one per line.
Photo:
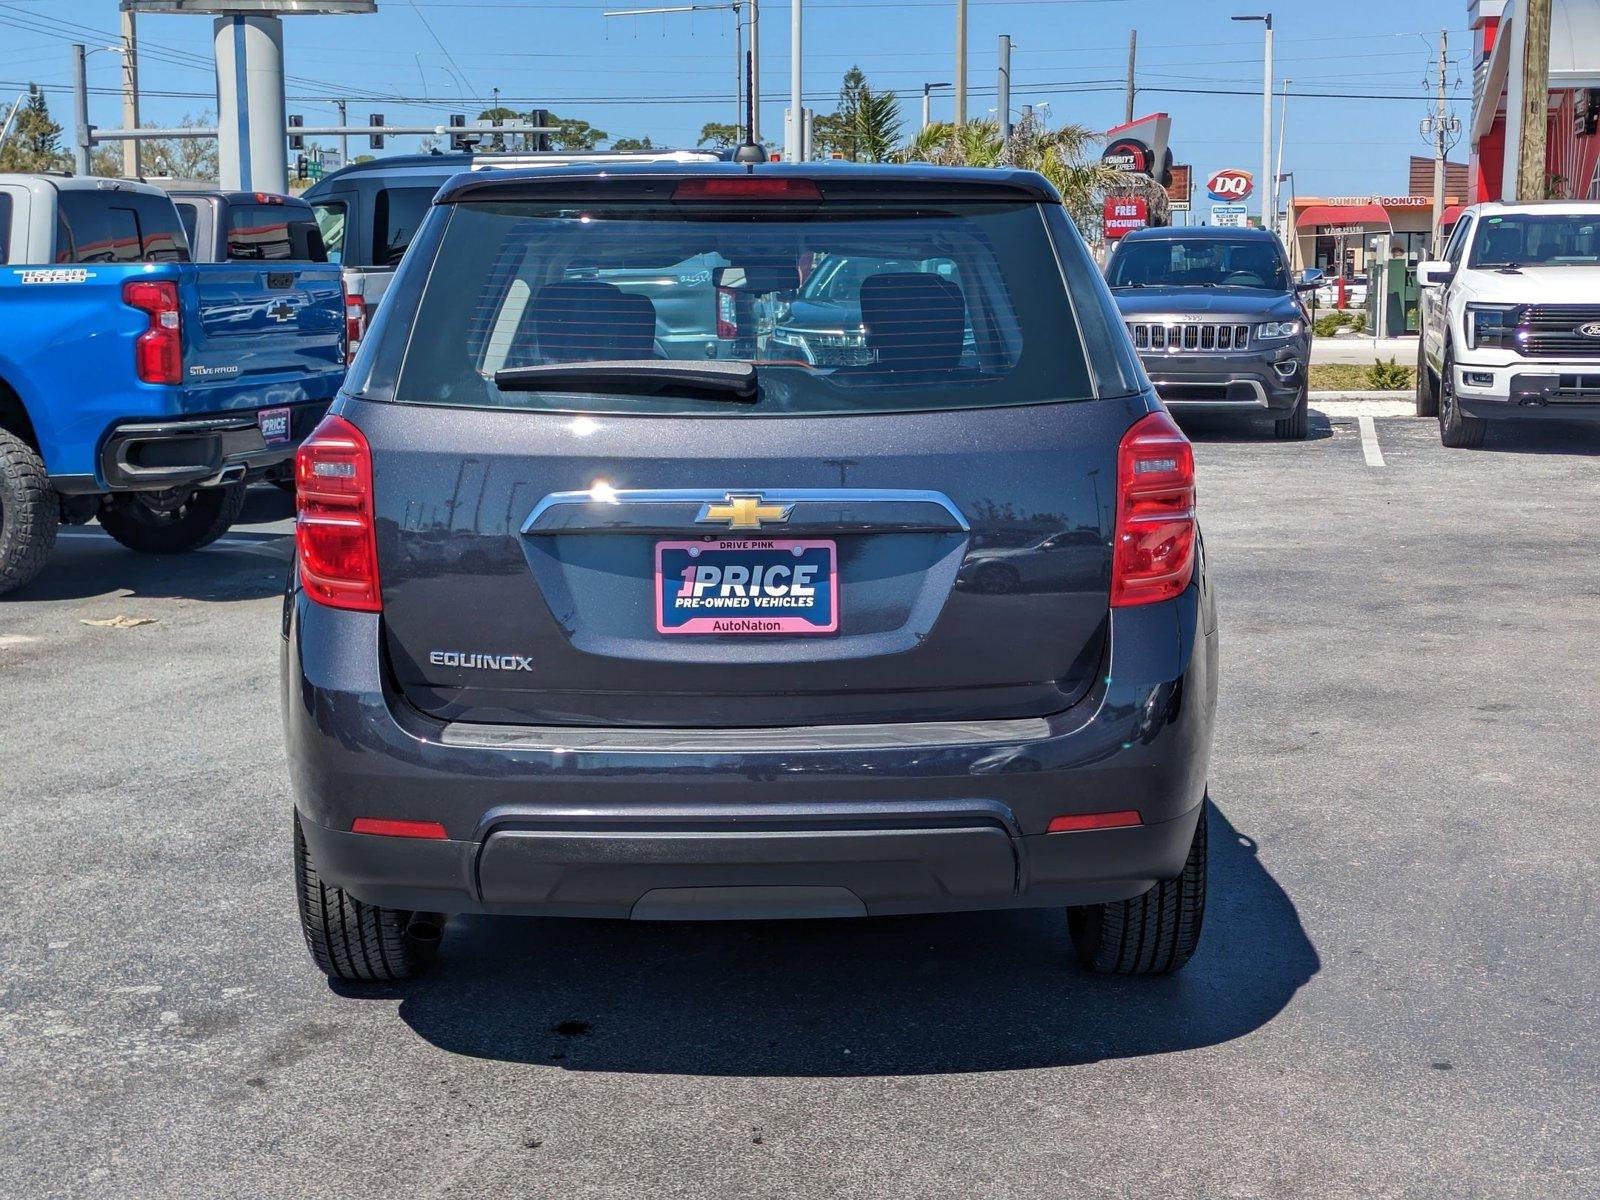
column 138, row 388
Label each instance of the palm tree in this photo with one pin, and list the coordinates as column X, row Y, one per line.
column 1066, row 156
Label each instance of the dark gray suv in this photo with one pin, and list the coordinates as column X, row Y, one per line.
column 581, row 630
column 1216, row 321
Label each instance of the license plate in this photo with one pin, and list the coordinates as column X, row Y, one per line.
column 274, row 425
column 747, row 586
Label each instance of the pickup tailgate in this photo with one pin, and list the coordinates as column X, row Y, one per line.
column 257, row 336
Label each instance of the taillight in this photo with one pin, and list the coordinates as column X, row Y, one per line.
column 355, row 325
column 388, row 827
column 1152, row 557
column 727, row 313
column 158, row 352
column 333, row 531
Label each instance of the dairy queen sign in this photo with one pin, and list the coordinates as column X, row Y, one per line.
column 1124, row 214
column 1230, row 185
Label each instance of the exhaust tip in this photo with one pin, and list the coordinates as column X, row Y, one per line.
column 426, row 929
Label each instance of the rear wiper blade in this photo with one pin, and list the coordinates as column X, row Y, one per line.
column 734, row 381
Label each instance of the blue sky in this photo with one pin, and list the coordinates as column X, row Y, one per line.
column 666, row 75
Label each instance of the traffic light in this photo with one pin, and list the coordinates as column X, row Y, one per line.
column 300, row 166
column 297, row 141
column 375, row 140
column 459, row 141
column 541, row 116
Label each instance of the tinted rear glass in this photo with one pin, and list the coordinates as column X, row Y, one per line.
column 842, row 307
column 1199, row 262
column 398, row 213
column 5, row 229
column 99, row 227
column 273, row 232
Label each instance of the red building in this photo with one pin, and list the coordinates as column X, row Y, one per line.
column 1572, row 155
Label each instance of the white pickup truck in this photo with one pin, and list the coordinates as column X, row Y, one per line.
column 1511, row 319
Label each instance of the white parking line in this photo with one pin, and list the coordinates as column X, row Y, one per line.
column 1369, row 441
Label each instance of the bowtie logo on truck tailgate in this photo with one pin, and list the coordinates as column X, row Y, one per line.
column 280, row 311
column 745, row 511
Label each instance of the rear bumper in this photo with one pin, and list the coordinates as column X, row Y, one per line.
column 1258, row 381
column 145, row 456
column 827, row 821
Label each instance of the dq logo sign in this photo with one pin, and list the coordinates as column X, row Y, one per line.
column 1230, row 185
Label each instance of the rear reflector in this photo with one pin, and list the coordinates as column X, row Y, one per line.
column 407, row 829
column 1105, row 820
column 335, row 540
column 745, row 187
column 1152, row 555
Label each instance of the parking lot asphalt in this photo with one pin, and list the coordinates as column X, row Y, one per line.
column 1395, row 994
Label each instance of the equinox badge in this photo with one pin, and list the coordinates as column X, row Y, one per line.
column 482, row 662
column 744, row 510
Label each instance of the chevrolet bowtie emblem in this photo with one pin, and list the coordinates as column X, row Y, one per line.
column 745, row 511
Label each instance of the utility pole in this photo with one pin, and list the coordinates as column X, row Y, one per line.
column 1133, row 54
column 961, row 62
column 1004, row 92
column 1264, row 183
column 80, row 109
column 755, row 71
column 344, row 138
column 130, row 93
column 797, row 137
column 1535, row 115
column 1440, row 147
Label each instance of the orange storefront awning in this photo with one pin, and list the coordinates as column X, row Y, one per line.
column 1342, row 214
column 1452, row 214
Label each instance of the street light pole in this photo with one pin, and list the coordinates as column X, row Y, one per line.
column 927, row 103
column 1266, row 119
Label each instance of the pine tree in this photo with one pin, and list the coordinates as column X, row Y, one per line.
column 35, row 141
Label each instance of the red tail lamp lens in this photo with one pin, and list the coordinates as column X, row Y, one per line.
column 334, row 532
column 158, row 352
column 1152, row 556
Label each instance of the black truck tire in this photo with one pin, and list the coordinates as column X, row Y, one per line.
column 1152, row 934
column 1427, row 391
column 1456, row 429
column 356, row 942
column 169, row 523
column 30, row 512
column 1297, row 424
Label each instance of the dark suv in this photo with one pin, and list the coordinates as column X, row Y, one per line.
column 1216, row 321
column 578, row 629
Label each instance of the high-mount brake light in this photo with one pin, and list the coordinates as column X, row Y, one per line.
column 158, row 351
column 334, row 533
column 745, row 187
column 1152, row 555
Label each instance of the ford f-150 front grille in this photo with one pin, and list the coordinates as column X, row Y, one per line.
column 1551, row 331
column 1179, row 337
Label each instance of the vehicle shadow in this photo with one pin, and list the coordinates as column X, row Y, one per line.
column 1543, row 437
column 1223, row 429
column 888, row 996
column 250, row 562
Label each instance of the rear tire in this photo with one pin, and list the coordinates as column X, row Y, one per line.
column 1456, row 429
column 1427, row 391
column 170, row 523
column 30, row 512
column 1297, row 424
column 360, row 943
column 1152, row 934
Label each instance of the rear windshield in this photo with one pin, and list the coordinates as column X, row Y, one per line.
column 841, row 308
column 274, row 232
column 5, row 229
column 1199, row 262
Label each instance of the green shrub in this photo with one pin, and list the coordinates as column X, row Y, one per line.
column 1388, row 376
column 1330, row 323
